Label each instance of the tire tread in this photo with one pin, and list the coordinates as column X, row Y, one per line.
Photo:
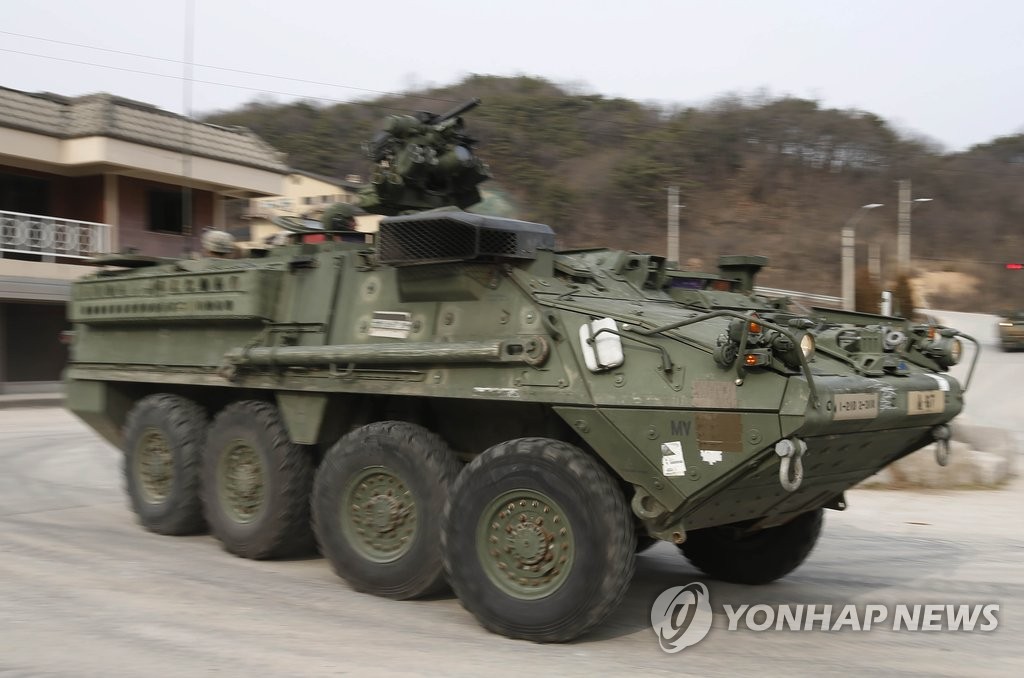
column 187, row 423
column 290, row 533
column 438, row 462
column 609, row 510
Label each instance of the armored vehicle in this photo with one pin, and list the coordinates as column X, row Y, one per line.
column 1011, row 330
column 458, row 403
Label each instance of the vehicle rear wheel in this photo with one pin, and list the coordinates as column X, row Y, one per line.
column 256, row 483
column 538, row 541
column 729, row 554
column 377, row 504
column 163, row 438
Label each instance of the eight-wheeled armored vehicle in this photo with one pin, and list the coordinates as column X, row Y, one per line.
column 457, row 402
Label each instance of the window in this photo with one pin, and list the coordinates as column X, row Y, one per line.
column 165, row 213
column 24, row 194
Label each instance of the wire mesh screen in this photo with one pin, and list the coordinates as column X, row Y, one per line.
column 427, row 240
column 407, row 240
column 498, row 242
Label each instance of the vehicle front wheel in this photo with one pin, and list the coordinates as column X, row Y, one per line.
column 729, row 553
column 538, row 541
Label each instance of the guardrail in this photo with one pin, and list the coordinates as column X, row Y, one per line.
column 819, row 299
column 53, row 236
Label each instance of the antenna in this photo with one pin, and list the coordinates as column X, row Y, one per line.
column 186, row 132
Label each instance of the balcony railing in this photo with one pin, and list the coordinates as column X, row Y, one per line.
column 52, row 237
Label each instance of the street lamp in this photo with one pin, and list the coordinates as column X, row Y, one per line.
column 849, row 254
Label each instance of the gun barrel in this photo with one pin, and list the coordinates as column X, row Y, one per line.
column 458, row 110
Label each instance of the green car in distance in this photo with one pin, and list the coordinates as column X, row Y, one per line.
column 1011, row 330
column 458, row 403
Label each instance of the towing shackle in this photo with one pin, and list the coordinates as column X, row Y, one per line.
column 791, row 466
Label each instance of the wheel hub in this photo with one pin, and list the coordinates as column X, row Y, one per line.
column 385, row 513
column 525, row 544
column 154, row 466
column 378, row 514
column 528, row 543
column 242, row 485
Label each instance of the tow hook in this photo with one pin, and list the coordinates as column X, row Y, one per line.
column 791, row 468
column 941, row 434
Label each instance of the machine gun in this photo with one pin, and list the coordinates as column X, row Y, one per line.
column 423, row 161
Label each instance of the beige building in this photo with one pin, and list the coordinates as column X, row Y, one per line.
column 305, row 194
column 98, row 174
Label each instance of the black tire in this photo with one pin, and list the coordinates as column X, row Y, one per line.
column 400, row 475
column 546, row 483
column 756, row 558
column 273, row 522
column 163, row 484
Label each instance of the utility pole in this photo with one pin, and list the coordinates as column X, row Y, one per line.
column 903, row 229
column 187, row 227
column 849, row 290
column 903, row 232
column 672, row 250
column 848, row 255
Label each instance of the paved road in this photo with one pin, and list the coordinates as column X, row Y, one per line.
column 996, row 394
column 85, row 592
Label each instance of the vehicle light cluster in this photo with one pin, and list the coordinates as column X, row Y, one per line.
column 945, row 348
column 759, row 345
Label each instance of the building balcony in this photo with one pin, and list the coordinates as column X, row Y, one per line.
column 53, row 238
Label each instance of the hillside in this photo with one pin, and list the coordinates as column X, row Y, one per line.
column 775, row 176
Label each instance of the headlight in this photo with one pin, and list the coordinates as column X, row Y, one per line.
column 787, row 352
column 807, row 346
column 947, row 351
column 956, row 349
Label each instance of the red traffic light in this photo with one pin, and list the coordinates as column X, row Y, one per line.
column 1015, row 267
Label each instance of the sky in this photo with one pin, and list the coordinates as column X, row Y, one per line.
column 943, row 70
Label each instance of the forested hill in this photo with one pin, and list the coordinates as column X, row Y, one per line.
column 775, row 176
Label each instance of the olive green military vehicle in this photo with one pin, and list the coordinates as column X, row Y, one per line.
column 458, row 403
column 1011, row 330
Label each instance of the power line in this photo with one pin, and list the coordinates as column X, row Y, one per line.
column 261, row 90
column 205, row 82
column 210, row 66
column 268, row 75
column 605, row 134
column 255, row 73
